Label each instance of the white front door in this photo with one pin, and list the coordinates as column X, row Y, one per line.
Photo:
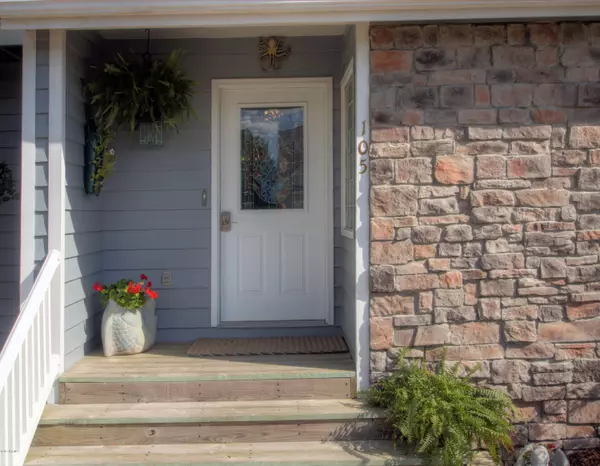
column 276, row 238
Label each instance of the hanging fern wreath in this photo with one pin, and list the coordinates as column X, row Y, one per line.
column 7, row 185
column 127, row 93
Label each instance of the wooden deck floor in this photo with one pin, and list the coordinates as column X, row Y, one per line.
column 170, row 362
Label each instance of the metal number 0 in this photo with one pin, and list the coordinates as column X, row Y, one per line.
column 363, row 149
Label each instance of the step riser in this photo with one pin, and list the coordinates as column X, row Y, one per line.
column 152, row 434
column 246, row 390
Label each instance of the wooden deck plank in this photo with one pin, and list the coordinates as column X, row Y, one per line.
column 372, row 453
column 170, row 363
column 208, row 412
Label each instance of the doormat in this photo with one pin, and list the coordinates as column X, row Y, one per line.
column 266, row 346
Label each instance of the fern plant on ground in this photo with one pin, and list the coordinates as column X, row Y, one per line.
column 441, row 414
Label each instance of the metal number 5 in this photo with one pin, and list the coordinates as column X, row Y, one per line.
column 363, row 167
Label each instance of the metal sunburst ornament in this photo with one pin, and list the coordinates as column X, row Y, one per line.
column 272, row 50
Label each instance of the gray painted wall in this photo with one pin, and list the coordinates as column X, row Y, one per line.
column 10, row 153
column 153, row 218
column 83, row 239
column 347, row 264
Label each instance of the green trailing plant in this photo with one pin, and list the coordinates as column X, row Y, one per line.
column 7, row 185
column 442, row 414
column 127, row 93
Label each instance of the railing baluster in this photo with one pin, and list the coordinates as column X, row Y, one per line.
column 50, row 335
column 39, row 348
column 26, row 379
column 20, row 377
column 6, row 425
column 44, row 328
column 17, row 397
column 32, row 388
column 11, row 414
column 33, row 335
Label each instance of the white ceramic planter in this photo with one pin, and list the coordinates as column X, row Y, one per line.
column 128, row 332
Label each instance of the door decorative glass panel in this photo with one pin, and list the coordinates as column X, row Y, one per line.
column 272, row 158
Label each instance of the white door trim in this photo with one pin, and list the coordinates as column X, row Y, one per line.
column 218, row 86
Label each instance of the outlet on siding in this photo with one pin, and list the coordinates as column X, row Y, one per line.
column 166, row 278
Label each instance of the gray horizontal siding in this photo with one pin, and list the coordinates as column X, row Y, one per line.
column 10, row 153
column 153, row 218
column 84, row 217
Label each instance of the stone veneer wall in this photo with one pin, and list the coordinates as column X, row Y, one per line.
column 485, row 205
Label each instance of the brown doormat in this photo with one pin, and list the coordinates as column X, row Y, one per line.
column 264, row 346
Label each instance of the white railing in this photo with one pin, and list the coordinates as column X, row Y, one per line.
column 29, row 365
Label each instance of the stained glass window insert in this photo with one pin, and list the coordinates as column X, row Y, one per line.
column 272, row 158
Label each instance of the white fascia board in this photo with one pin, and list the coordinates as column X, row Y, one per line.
column 95, row 14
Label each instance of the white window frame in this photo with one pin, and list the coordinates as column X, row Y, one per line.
column 348, row 76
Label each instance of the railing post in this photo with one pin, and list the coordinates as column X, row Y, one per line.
column 56, row 186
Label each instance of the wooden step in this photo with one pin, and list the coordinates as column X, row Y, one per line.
column 166, row 374
column 373, row 453
column 213, row 422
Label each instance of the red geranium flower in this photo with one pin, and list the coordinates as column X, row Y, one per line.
column 98, row 286
column 149, row 284
column 143, row 277
column 152, row 294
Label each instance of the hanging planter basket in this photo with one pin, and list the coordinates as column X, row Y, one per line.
column 148, row 95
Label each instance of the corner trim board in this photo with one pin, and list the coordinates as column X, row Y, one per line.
column 57, row 177
column 362, row 220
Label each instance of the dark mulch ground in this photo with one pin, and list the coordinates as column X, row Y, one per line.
column 584, row 457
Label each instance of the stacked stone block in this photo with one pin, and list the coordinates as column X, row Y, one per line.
column 485, row 212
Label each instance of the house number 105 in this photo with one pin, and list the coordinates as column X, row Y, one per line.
column 363, row 149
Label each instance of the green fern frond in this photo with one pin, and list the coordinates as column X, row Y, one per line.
column 441, row 414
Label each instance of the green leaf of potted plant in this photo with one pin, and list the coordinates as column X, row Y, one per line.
column 129, row 320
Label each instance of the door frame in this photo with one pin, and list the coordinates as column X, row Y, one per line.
column 217, row 88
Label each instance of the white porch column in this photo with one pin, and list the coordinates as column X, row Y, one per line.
column 363, row 132
column 27, row 191
column 56, row 182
